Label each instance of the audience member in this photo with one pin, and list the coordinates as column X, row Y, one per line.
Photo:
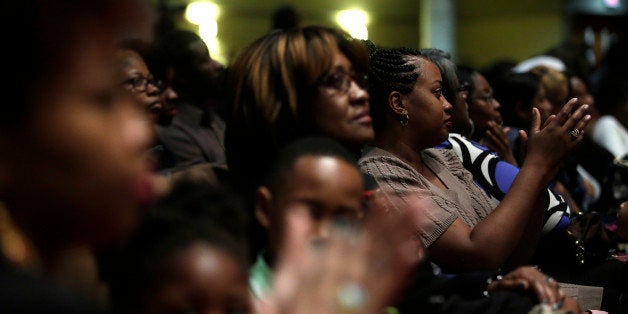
column 455, row 91
column 484, row 112
column 279, row 95
column 74, row 174
column 189, row 255
column 318, row 175
column 196, row 134
column 341, row 237
column 596, row 159
column 135, row 77
column 609, row 86
column 411, row 116
column 312, row 206
column 493, row 175
column 518, row 93
column 147, row 91
column 283, row 94
column 579, row 185
column 285, row 17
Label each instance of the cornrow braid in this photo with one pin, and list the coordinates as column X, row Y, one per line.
column 389, row 70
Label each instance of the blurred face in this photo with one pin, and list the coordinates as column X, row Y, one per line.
column 579, row 90
column 77, row 168
column 341, row 109
column 460, row 114
column 541, row 102
column 560, row 97
column 203, row 75
column 169, row 98
column 202, row 279
column 482, row 106
column 137, row 79
column 329, row 188
column 429, row 112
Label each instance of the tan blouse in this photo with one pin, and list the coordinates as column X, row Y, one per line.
column 462, row 199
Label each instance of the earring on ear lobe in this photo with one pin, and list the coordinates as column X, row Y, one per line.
column 405, row 118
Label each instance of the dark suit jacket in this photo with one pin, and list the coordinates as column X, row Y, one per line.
column 195, row 136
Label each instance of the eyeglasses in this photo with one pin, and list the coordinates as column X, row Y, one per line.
column 341, row 81
column 489, row 97
column 140, row 84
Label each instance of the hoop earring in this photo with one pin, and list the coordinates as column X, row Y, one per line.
column 405, row 118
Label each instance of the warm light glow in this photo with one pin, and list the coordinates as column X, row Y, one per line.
column 209, row 29
column 205, row 15
column 200, row 12
column 354, row 22
column 208, row 34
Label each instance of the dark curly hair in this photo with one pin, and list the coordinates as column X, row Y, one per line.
column 193, row 212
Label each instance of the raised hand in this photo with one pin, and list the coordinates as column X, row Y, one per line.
column 548, row 146
column 498, row 142
column 357, row 269
column 545, row 288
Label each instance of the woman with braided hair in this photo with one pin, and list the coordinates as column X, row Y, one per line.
column 465, row 230
column 291, row 84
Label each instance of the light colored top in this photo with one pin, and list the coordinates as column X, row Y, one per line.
column 261, row 278
column 462, row 199
column 612, row 135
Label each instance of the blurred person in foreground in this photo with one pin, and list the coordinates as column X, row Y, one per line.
column 73, row 170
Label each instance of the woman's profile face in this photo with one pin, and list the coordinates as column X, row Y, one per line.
column 541, row 102
column 483, row 108
column 341, row 108
column 428, row 111
column 78, row 166
column 136, row 78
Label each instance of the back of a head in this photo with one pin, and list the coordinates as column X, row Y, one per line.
column 465, row 76
column 496, row 71
column 516, row 91
column 577, row 57
column 273, row 84
column 192, row 212
column 555, row 83
column 389, row 70
column 196, row 76
column 285, row 17
column 308, row 146
column 175, row 46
